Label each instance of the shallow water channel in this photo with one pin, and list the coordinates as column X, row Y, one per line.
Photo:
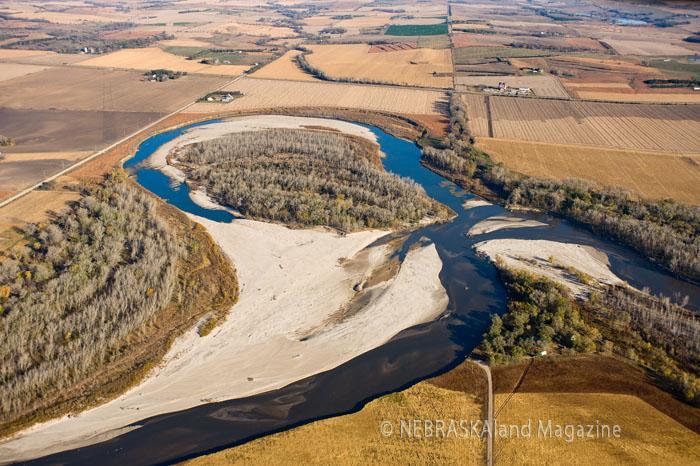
column 475, row 294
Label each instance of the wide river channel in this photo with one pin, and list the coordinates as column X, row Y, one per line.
column 475, row 294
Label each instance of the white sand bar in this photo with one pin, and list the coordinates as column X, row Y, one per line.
column 500, row 222
column 292, row 286
column 534, row 256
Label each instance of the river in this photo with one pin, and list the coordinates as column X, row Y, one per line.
column 475, row 294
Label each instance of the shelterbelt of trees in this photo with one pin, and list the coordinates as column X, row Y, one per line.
column 305, row 178
column 82, row 283
column 666, row 232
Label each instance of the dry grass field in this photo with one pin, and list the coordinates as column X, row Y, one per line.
column 413, row 67
column 32, row 208
column 152, row 58
column 542, row 86
column 16, row 70
column 646, row 47
column 285, row 67
column 12, row 53
column 666, row 128
column 268, row 93
column 653, row 175
column 355, row 438
column 77, row 88
column 655, row 427
column 648, row 437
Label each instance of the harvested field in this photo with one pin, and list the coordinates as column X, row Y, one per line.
column 392, row 47
column 646, row 48
column 655, row 427
column 477, row 114
column 650, row 174
column 414, row 67
column 57, row 130
column 658, row 97
column 266, row 93
column 285, row 67
column 463, row 54
column 152, row 58
column 355, row 438
column 14, row 70
column 78, row 88
column 665, row 128
column 542, row 86
column 12, row 53
column 479, row 40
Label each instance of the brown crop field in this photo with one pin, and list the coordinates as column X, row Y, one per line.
column 477, row 114
column 63, row 130
column 413, row 67
column 268, row 93
column 651, row 174
column 285, row 67
column 542, row 86
column 355, row 438
column 152, row 58
column 78, row 88
column 666, row 128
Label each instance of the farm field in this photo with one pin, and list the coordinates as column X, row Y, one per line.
column 415, row 67
column 651, row 174
column 10, row 71
column 268, row 93
column 463, row 54
column 647, row 48
column 351, row 439
column 666, row 128
column 56, row 130
column 153, row 58
column 285, row 67
column 542, row 86
column 655, row 427
column 79, row 88
column 416, row 29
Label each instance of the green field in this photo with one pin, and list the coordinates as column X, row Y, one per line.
column 416, row 29
column 674, row 66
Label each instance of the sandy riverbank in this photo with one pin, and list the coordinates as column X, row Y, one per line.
column 552, row 259
column 500, row 222
column 284, row 328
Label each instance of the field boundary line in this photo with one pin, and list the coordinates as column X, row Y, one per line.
column 489, row 411
column 93, row 156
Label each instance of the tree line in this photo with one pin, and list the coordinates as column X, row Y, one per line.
column 77, row 287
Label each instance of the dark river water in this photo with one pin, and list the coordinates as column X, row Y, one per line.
column 416, row 353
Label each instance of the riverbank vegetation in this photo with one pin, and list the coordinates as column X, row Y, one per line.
column 305, row 178
column 543, row 316
column 664, row 231
column 92, row 299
